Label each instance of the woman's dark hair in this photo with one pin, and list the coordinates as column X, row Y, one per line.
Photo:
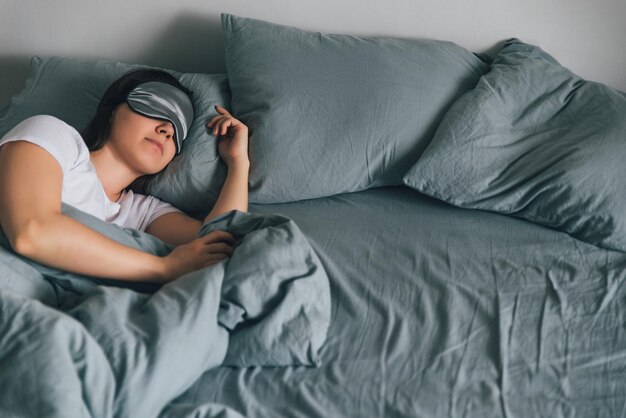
column 97, row 131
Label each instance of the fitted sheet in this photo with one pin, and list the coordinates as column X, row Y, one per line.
column 443, row 311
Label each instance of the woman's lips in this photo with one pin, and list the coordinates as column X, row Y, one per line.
column 157, row 144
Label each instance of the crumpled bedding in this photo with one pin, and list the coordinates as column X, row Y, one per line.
column 79, row 346
column 439, row 311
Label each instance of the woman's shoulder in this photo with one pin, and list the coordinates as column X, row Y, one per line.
column 51, row 133
column 48, row 121
column 41, row 124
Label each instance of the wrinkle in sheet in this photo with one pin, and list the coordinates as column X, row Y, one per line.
column 463, row 346
column 504, row 333
column 611, row 290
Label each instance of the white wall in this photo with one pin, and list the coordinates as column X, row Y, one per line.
column 587, row 37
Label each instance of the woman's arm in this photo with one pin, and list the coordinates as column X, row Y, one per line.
column 233, row 148
column 31, row 218
column 177, row 228
column 234, row 194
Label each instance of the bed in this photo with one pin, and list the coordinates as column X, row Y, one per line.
column 472, row 268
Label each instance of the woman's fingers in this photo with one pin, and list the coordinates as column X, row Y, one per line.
column 218, row 236
column 221, row 125
column 220, row 248
column 222, row 122
column 222, row 112
column 215, row 259
column 215, row 121
column 217, row 117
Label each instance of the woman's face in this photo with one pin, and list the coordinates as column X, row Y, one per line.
column 146, row 144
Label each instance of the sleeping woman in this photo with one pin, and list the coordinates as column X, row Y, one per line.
column 139, row 126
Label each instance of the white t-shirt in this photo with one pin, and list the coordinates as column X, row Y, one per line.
column 81, row 185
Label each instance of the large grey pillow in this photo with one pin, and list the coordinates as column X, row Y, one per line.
column 535, row 141
column 70, row 89
column 330, row 114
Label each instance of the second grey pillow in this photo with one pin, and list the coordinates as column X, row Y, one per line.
column 331, row 114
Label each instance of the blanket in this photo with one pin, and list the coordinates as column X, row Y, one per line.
column 79, row 346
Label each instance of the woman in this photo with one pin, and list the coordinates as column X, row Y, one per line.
column 138, row 128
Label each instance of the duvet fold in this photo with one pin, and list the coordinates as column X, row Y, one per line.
column 72, row 345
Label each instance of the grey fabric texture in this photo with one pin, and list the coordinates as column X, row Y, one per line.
column 440, row 311
column 70, row 89
column 535, row 141
column 329, row 113
column 103, row 348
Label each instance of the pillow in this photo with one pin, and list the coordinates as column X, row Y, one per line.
column 330, row 114
column 70, row 89
column 535, row 141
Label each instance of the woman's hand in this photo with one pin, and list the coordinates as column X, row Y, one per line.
column 201, row 252
column 233, row 144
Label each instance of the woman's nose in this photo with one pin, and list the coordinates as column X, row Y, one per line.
column 166, row 128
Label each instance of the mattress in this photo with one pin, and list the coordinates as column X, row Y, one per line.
column 444, row 311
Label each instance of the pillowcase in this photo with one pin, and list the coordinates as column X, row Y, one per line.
column 535, row 141
column 330, row 114
column 70, row 89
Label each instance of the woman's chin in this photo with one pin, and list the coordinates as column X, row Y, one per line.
column 147, row 168
column 148, row 163
column 155, row 170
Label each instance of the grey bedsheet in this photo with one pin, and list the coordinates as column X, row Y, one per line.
column 439, row 311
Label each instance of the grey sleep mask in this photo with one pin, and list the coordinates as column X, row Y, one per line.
column 159, row 100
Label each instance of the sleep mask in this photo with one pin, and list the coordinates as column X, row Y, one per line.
column 159, row 100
